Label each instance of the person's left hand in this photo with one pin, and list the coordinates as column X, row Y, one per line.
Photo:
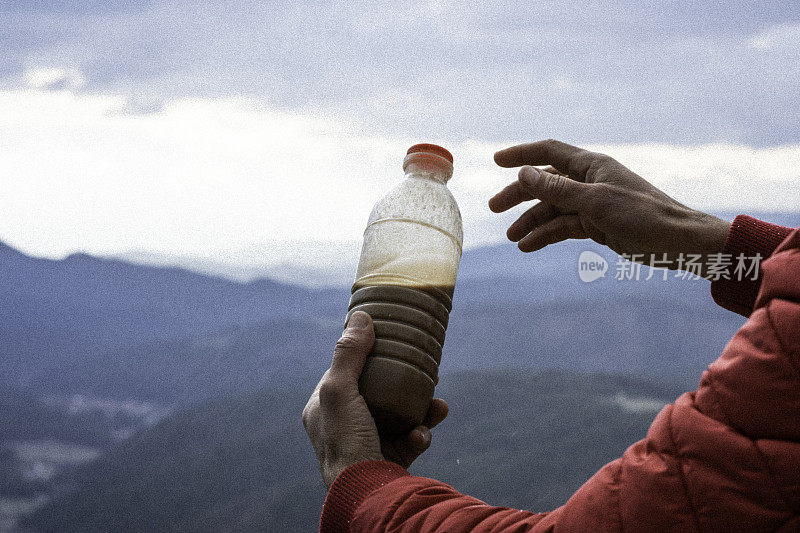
column 337, row 419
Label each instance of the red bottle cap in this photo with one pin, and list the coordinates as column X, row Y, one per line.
column 431, row 149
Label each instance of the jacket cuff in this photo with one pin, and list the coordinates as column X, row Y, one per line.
column 351, row 488
column 747, row 236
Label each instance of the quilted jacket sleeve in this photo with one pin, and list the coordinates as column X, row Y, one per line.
column 747, row 237
column 723, row 458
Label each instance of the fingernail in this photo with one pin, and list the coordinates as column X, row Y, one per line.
column 528, row 174
column 426, row 436
column 359, row 320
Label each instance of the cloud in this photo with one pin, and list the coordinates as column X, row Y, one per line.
column 55, row 78
column 200, row 176
column 780, row 37
column 618, row 71
column 224, row 178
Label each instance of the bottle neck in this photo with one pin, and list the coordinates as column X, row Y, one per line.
column 428, row 166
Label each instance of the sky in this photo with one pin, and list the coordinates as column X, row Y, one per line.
column 252, row 131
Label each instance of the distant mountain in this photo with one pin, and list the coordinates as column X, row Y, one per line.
column 641, row 336
column 244, row 464
column 284, row 353
column 108, row 328
column 52, row 312
column 308, row 263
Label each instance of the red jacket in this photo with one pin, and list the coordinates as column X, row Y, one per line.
column 723, row 458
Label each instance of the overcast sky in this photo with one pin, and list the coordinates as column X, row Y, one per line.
column 209, row 128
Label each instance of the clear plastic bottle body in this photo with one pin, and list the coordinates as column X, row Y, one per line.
column 405, row 280
column 414, row 235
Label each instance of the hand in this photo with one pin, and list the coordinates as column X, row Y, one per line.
column 337, row 419
column 589, row 195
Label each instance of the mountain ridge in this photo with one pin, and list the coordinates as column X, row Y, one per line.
column 172, row 335
column 56, row 310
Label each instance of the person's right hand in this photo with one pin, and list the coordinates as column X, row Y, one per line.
column 585, row 194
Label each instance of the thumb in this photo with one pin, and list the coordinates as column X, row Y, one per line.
column 556, row 190
column 353, row 346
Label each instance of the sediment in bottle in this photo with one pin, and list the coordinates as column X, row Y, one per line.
column 402, row 370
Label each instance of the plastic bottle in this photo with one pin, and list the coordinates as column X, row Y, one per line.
column 405, row 281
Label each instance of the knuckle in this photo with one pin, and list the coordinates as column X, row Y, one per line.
column 555, row 186
column 330, row 391
column 586, row 158
column 306, row 416
column 594, row 172
column 310, row 411
column 552, row 144
column 586, row 162
column 600, row 159
column 348, row 342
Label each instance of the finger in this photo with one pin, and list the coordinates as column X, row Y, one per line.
column 419, row 439
column 560, row 228
column 515, row 194
column 436, row 413
column 510, row 196
column 549, row 152
column 411, row 446
column 553, row 170
column 558, row 191
column 535, row 216
column 352, row 348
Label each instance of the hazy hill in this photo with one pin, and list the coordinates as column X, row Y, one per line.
column 283, row 353
column 52, row 312
column 88, row 325
column 623, row 334
column 244, row 464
